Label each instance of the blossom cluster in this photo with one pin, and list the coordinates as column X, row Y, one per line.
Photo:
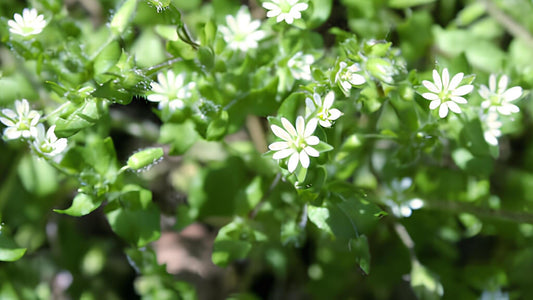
column 23, row 123
column 446, row 94
column 28, row 24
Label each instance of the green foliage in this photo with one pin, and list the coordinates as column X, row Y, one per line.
column 386, row 141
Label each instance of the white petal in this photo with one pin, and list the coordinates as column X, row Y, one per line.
column 434, row 104
column 454, row 107
column 463, row 90
column 9, row 113
column 317, row 99
column 504, row 110
column 511, row 107
column 431, row 86
column 288, row 126
column 484, row 92
column 283, row 153
column 491, row 139
column 310, row 104
column 310, row 127
column 512, row 93
column 436, row 80
column 270, row 6
column 312, row 140
column 357, row 79
column 334, row 114
column 278, row 131
column 273, row 13
column 311, row 151
column 492, row 82
column 276, row 146
column 304, row 159
column 300, row 126
column 443, row 110
column 430, row 96
column 12, row 133
column 454, row 83
column 445, row 79
column 324, row 123
column 300, row 6
column 293, row 162
column 459, row 100
column 289, row 18
column 328, row 100
column 502, row 84
column 7, row 122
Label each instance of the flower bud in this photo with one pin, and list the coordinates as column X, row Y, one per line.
column 144, row 158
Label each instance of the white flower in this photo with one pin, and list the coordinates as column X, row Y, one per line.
column 300, row 65
column 20, row 123
column 324, row 113
column 445, row 93
column 49, row 145
column 493, row 126
column 287, row 10
column 297, row 142
column 242, row 33
column 396, row 201
column 30, row 23
column 171, row 90
column 498, row 97
column 347, row 77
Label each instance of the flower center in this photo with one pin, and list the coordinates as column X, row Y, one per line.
column 285, row 6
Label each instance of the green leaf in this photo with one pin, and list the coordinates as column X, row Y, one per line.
column 134, row 217
column 122, row 18
column 407, row 3
column 180, row 137
column 362, row 252
column 82, row 205
column 77, row 117
column 106, row 59
column 425, row 284
column 321, row 12
column 9, row 251
column 217, row 128
column 37, row 176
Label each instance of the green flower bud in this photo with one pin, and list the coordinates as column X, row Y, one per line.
column 145, row 158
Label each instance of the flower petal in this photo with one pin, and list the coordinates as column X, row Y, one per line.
column 300, row 125
column 310, row 127
column 512, row 94
column 456, row 80
column 436, row 80
column 334, row 114
column 312, row 140
column 445, row 79
column 434, row 104
column 276, row 146
column 492, row 82
column 311, row 151
column 304, row 159
column 463, row 90
column 443, row 110
column 288, row 126
column 279, row 132
column 293, row 162
column 430, row 96
column 283, row 153
column 431, row 86
column 459, row 100
column 454, row 107
column 502, row 83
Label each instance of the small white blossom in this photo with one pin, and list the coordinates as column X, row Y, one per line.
column 27, row 24
column 241, row 32
column 49, row 145
column 498, row 97
column 325, row 114
column 492, row 127
column 300, row 65
column 400, row 207
column 347, row 77
column 446, row 93
column 20, row 123
column 170, row 90
column 296, row 143
column 288, row 10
